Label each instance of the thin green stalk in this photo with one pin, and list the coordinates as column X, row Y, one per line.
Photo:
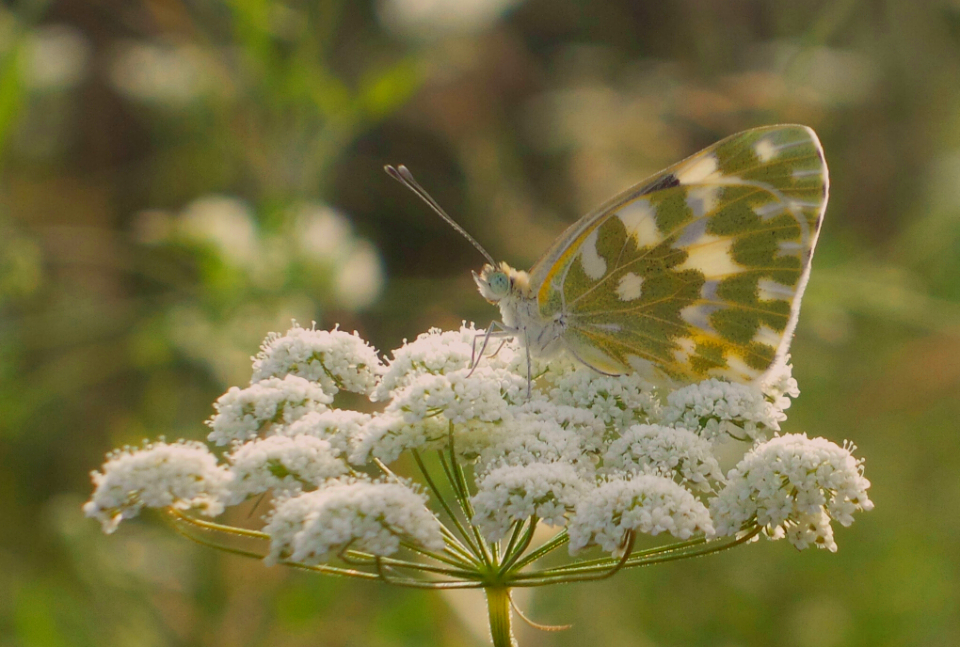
column 514, row 536
column 604, row 562
column 598, row 572
column 549, row 546
column 443, row 559
column 358, row 558
column 463, row 501
column 516, row 554
column 471, row 548
column 216, row 527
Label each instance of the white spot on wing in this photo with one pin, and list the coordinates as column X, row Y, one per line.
column 642, row 366
column 639, row 219
column 698, row 316
column 789, row 248
column 703, row 199
column 698, row 170
column 769, row 209
column 687, row 347
column 740, row 368
column 773, row 291
column 630, row 287
column 593, row 264
column 608, row 327
column 713, row 257
column 768, row 336
column 765, row 150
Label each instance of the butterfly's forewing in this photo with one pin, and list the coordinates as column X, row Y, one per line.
column 698, row 270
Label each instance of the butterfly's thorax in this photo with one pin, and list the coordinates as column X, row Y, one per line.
column 519, row 310
column 521, row 315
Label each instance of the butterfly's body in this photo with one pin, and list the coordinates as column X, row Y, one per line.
column 520, row 313
column 698, row 271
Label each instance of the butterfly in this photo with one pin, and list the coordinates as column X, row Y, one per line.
column 697, row 271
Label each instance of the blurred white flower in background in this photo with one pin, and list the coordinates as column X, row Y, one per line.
column 311, row 262
column 427, row 19
column 55, row 57
column 226, row 223
column 167, row 74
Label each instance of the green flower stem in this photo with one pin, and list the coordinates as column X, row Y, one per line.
column 606, row 562
column 549, row 546
column 443, row 559
column 178, row 517
column 578, row 573
column 470, row 547
column 457, row 480
column 514, row 535
column 515, row 552
column 498, row 607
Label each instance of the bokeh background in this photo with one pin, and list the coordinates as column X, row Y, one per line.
column 180, row 177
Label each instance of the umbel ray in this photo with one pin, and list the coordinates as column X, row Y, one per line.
column 695, row 272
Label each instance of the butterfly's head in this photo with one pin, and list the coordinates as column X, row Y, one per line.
column 495, row 283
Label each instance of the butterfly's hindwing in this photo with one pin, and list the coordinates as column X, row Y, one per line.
column 698, row 270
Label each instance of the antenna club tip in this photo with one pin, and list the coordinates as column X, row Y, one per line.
column 399, row 173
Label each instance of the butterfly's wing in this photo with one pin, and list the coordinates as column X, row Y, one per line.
column 698, row 270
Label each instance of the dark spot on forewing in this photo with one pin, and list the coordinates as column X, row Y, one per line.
column 668, row 181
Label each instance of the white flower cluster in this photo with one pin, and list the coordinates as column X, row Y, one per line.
column 336, row 360
column 244, row 413
column 360, row 515
column 182, row 475
column 721, row 410
column 794, row 486
column 603, row 457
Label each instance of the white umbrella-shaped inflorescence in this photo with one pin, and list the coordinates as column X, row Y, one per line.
column 603, row 460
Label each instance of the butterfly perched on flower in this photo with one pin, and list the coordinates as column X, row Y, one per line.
column 697, row 271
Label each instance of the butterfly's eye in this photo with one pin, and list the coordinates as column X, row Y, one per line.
column 494, row 284
column 499, row 284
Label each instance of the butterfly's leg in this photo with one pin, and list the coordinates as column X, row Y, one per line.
column 490, row 332
column 526, row 347
column 500, row 347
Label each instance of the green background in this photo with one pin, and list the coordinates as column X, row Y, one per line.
column 118, row 324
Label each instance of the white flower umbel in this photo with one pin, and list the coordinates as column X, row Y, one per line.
column 420, row 414
column 285, row 464
column 721, row 410
column 617, row 400
column 514, row 493
column 542, row 432
column 182, row 475
column 335, row 359
column 645, row 503
column 668, row 451
column 243, row 413
column 793, row 486
column 360, row 515
column 340, row 427
column 438, row 353
column 502, row 454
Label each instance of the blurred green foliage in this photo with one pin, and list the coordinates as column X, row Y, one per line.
column 179, row 177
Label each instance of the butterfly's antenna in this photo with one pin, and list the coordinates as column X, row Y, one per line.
column 403, row 175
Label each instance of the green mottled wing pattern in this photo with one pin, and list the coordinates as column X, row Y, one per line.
column 700, row 269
